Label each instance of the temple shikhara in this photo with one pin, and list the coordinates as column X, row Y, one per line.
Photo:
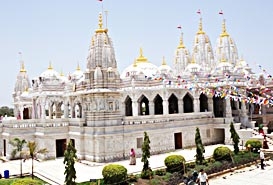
column 105, row 112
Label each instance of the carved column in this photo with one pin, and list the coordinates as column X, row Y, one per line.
column 165, row 107
column 152, row 107
column 135, row 108
column 210, row 104
column 228, row 108
column 180, row 106
column 196, row 105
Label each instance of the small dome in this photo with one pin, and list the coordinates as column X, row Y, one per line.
column 50, row 73
column 193, row 68
column 77, row 74
column 164, row 68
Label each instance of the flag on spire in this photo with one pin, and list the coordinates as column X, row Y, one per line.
column 221, row 12
column 100, row 0
column 179, row 27
column 198, row 11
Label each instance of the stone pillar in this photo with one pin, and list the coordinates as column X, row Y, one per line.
column 196, row 105
column 22, row 112
column 165, row 107
column 43, row 111
column 135, row 108
column 50, row 111
column 65, row 111
column 210, row 104
column 151, row 107
column 228, row 110
column 180, row 106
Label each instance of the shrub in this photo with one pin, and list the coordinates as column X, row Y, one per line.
column 27, row 181
column 132, row 178
column 222, row 153
column 114, row 174
column 255, row 144
column 174, row 163
column 160, row 172
column 147, row 174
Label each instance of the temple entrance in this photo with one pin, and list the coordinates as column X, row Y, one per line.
column 203, row 103
column 188, row 103
column 178, row 140
column 60, row 147
column 173, row 104
column 25, row 113
column 218, row 106
column 128, row 107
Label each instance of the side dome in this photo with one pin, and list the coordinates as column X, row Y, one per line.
column 164, row 68
column 77, row 74
column 50, row 73
column 141, row 67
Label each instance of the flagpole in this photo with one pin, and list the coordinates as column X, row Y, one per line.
column 106, row 15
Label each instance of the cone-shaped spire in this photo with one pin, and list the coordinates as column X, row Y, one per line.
column 200, row 28
column 22, row 67
column 78, row 67
column 181, row 44
column 141, row 58
column 224, row 31
column 163, row 61
column 50, row 66
column 100, row 24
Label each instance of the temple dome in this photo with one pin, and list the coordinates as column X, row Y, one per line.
column 141, row 66
column 50, row 73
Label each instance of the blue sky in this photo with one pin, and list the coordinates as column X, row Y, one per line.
column 60, row 31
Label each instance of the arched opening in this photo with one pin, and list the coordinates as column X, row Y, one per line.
column 158, row 105
column 233, row 104
column 203, row 103
column 218, row 106
column 143, row 104
column 188, row 103
column 26, row 113
column 173, row 104
column 128, row 107
column 78, row 110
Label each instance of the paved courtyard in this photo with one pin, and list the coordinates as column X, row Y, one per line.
column 54, row 169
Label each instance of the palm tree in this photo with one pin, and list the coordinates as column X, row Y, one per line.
column 32, row 153
column 18, row 145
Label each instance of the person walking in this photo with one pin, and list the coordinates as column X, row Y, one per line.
column 202, row 178
column 262, row 158
column 132, row 157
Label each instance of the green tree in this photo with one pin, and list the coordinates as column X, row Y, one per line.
column 146, row 171
column 4, row 110
column 18, row 145
column 69, row 160
column 32, row 153
column 199, row 147
column 235, row 138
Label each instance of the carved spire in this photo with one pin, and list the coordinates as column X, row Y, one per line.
column 224, row 31
column 181, row 44
column 200, row 28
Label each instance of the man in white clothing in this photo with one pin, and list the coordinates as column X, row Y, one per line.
column 202, row 178
column 262, row 159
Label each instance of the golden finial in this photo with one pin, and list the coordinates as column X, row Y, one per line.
column 61, row 73
column 26, row 89
column 50, row 66
column 78, row 67
column 163, row 61
column 141, row 58
column 100, row 28
column 135, row 64
column 181, row 44
column 23, row 67
column 200, row 28
column 224, row 31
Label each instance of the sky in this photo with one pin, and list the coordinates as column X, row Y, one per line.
column 60, row 32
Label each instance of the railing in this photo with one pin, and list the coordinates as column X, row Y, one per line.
column 166, row 118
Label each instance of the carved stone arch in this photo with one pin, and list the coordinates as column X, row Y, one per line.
column 78, row 107
column 218, row 106
column 203, row 102
column 188, row 103
column 173, row 104
column 158, row 105
column 128, row 106
column 143, row 105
